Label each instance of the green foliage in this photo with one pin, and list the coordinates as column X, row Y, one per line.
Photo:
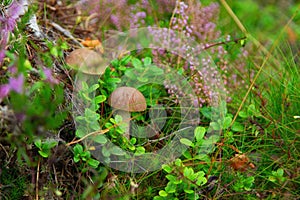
column 84, row 156
column 243, row 183
column 277, row 176
column 183, row 182
column 142, row 73
column 45, row 146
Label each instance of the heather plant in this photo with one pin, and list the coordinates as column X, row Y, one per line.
column 211, row 50
column 123, row 15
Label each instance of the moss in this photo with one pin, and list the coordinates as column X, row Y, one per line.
column 12, row 183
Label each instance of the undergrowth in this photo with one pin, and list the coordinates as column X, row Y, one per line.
column 226, row 122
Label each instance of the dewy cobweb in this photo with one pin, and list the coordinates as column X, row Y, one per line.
column 159, row 39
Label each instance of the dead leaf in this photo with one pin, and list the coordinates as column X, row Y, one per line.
column 292, row 35
column 93, row 44
column 241, row 162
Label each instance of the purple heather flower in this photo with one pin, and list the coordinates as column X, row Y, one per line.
column 8, row 23
column 12, row 69
column 16, row 84
column 49, row 76
column 4, row 90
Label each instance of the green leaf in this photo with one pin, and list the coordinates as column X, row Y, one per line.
column 139, row 151
column 237, row 127
column 85, row 155
column 187, row 154
column 280, row 172
column 94, row 125
column 186, row 142
column 142, row 79
column 167, row 168
column 99, row 139
column 162, row 193
column 206, row 111
column 253, row 111
column 243, row 114
column 155, row 71
column 118, row 119
column 136, row 63
column 170, row 188
column 189, row 191
column 130, row 74
column 44, row 154
column 93, row 88
column 188, row 172
column 117, row 151
column 38, row 143
column 93, row 163
column 114, row 80
column 133, row 140
column 85, row 86
column 216, row 126
column 105, row 152
column 171, row 178
column 199, row 133
column 178, row 162
column 54, row 51
column 248, row 182
column 108, row 125
column 80, row 133
column 202, row 157
column 77, row 149
column 99, row 99
column 125, row 60
column 115, row 63
column 76, row 158
column 272, row 179
column 158, row 198
column 201, row 180
column 147, row 61
column 227, row 122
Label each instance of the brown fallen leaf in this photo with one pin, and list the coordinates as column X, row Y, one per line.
column 93, row 44
column 292, row 35
column 241, row 162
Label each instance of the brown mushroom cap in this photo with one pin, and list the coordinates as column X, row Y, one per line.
column 87, row 61
column 127, row 99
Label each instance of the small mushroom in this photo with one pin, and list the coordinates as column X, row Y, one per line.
column 90, row 63
column 126, row 100
column 87, row 61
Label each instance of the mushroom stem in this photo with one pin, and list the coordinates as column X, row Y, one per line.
column 126, row 120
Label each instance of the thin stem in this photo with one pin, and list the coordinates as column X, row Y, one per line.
column 99, row 132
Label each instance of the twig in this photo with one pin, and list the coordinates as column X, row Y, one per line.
column 224, row 42
column 4, row 150
column 37, row 181
column 65, row 32
column 88, row 135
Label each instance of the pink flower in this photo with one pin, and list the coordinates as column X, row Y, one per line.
column 16, row 84
column 49, row 76
column 4, row 90
column 8, row 23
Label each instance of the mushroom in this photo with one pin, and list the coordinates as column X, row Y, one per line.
column 126, row 100
column 87, row 61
